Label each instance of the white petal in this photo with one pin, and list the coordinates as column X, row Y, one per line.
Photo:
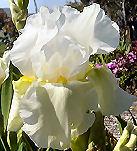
column 6, row 58
column 71, row 60
column 44, row 112
column 91, row 28
column 36, row 33
column 82, row 23
column 4, row 67
column 2, row 71
column 106, row 33
column 21, row 52
column 53, row 112
column 14, row 122
column 20, row 87
column 81, row 102
column 111, row 98
column 51, row 32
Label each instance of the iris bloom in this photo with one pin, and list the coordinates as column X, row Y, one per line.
column 4, row 67
column 53, row 101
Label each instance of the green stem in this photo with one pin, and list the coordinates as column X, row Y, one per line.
column 97, row 133
column 103, row 62
column 134, row 121
column 3, row 143
column 26, row 141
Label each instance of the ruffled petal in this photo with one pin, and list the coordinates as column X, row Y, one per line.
column 53, row 113
column 106, row 33
column 48, row 35
column 39, row 29
column 21, row 52
column 45, row 115
column 91, row 28
column 111, row 98
column 71, row 59
column 82, row 23
column 20, row 87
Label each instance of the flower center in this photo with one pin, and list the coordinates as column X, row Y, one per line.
column 28, row 79
column 61, row 80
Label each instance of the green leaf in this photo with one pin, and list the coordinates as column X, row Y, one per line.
column 2, row 48
column 12, row 141
column 49, row 149
column 2, row 142
column 26, row 142
column 1, row 123
column 121, row 123
column 80, row 143
column 16, row 74
column 19, row 136
column 6, row 97
column 20, row 147
column 120, row 128
column 97, row 133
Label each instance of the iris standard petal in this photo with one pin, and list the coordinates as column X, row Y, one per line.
column 89, row 29
column 53, row 113
column 39, row 29
column 20, row 87
column 106, row 33
column 80, row 22
column 21, row 52
column 88, row 34
column 70, row 59
column 111, row 98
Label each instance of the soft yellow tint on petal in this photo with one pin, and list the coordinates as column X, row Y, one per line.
column 54, row 113
column 62, row 80
column 20, row 88
column 44, row 112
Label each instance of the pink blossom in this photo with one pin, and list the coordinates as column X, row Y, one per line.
column 115, row 70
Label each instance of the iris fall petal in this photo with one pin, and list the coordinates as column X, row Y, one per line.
column 111, row 98
column 20, row 87
column 53, row 113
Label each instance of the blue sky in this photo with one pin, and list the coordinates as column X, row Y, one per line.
column 49, row 3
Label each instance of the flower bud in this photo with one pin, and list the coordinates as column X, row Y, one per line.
column 19, row 14
column 127, row 141
column 23, row 4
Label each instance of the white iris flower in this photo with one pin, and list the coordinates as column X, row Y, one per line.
column 4, row 67
column 53, row 100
